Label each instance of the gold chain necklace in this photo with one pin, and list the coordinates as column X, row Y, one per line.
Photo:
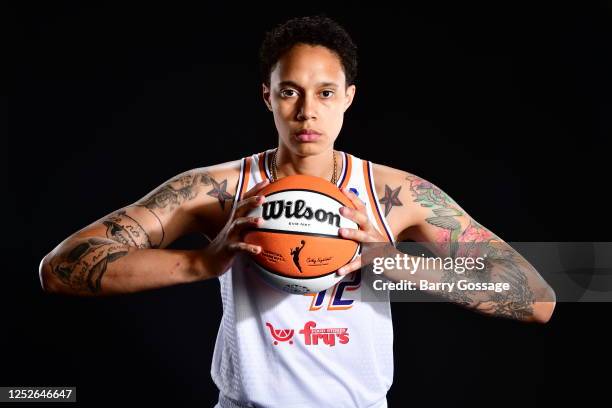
column 274, row 168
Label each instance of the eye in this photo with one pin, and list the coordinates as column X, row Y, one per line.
column 287, row 93
column 327, row 94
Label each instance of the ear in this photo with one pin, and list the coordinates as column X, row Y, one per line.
column 350, row 94
column 266, row 96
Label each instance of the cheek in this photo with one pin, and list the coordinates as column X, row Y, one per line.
column 282, row 120
column 336, row 109
column 336, row 114
column 284, row 109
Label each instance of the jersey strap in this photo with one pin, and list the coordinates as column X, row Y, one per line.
column 371, row 189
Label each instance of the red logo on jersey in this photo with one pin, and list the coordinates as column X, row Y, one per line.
column 312, row 335
column 280, row 335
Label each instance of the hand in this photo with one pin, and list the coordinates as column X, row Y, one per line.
column 220, row 253
column 366, row 232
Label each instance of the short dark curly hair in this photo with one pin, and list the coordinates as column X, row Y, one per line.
column 311, row 30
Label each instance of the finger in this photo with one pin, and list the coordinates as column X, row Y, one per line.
column 255, row 189
column 239, row 224
column 354, row 199
column 359, row 217
column 244, row 247
column 350, row 267
column 247, row 204
column 354, row 234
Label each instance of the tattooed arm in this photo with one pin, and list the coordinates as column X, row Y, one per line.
column 125, row 251
column 419, row 211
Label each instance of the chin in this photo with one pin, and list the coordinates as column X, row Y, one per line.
column 308, row 149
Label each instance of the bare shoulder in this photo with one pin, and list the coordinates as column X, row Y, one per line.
column 410, row 201
column 205, row 195
column 398, row 197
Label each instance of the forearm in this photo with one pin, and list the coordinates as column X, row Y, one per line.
column 99, row 266
column 525, row 295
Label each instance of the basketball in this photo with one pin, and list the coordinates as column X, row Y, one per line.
column 301, row 248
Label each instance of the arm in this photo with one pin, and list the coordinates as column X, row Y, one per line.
column 419, row 211
column 125, row 251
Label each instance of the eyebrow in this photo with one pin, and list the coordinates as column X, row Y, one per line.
column 320, row 84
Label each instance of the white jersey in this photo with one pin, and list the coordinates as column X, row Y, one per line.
column 329, row 349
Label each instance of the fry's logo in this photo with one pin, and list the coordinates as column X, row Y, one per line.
column 280, row 335
column 312, row 335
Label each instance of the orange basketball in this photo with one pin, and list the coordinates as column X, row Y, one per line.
column 301, row 248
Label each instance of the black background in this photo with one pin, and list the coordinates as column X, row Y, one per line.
column 505, row 107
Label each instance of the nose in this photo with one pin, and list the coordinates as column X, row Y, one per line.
column 307, row 109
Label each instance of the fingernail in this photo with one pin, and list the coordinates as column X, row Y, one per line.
column 342, row 231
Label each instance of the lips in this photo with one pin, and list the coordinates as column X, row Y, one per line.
column 307, row 135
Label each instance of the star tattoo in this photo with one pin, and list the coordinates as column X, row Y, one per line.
column 219, row 192
column 391, row 199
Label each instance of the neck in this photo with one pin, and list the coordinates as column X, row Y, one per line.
column 319, row 165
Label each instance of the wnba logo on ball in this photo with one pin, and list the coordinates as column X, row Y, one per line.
column 277, row 208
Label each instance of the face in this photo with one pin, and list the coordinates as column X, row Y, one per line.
column 308, row 97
